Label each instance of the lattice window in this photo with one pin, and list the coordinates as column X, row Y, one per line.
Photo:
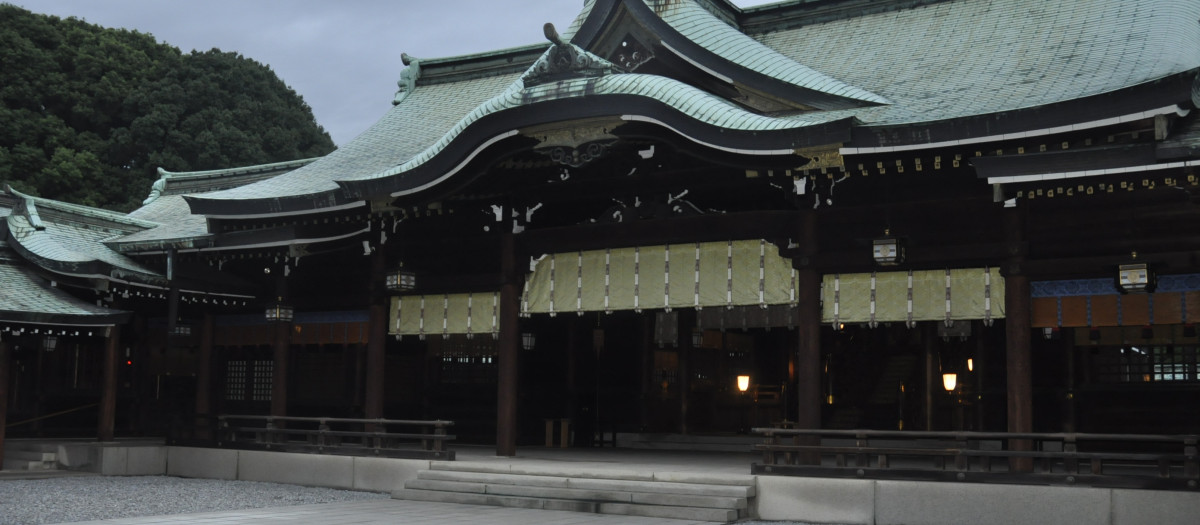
column 1145, row 364
column 263, row 372
column 235, row 381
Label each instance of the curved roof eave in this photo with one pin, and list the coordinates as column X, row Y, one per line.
column 1165, row 96
column 769, row 137
column 64, row 246
column 27, row 298
column 696, row 35
column 696, row 114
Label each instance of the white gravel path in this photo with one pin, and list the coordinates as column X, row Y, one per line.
column 86, row 498
column 89, row 498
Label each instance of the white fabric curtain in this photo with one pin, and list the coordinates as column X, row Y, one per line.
column 446, row 314
column 933, row 295
column 695, row 275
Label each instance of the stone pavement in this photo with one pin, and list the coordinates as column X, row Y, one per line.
column 390, row 512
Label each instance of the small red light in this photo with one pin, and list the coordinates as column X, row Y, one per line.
column 129, row 362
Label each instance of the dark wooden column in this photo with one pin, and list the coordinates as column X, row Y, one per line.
column 933, row 377
column 1018, row 324
column 204, row 378
column 687, row 324
column 808, row 327
column 376, row 339
column 1070, row 420
column 279, row 375
column 647, row 375
column 510, row 339
column 282, row 345
column 5, row 364
column 808, row 333
column 108, row 386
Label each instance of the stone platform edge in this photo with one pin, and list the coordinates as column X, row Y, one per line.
column 816, row 500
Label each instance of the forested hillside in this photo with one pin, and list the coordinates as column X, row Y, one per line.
column 88, row 113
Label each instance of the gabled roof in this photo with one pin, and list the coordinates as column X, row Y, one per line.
column 946, row 60
column 68, row 239
column 693, row 32
column 894, row 72
column 27, row 297
column 175, row 225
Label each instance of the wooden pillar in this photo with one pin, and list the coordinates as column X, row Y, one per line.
column 279, row 375
column 808, row 334
column 108, row 388
column 647, row 375
column 1069, row 421
column 688, row 321
column 204, row 421
column 510, row 339
column 376, row 340
column 573, row 348
column 282, row 345
column 5, row 364
column 933, row 378
column 980, row 380
column 1018, row 324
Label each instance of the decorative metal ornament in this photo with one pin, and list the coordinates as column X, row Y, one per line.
column 1135, row 278
column 401, row 281
column 280, row 312
column 888, row 251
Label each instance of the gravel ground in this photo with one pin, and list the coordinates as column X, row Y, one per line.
column 87, row 498
column 68, row 499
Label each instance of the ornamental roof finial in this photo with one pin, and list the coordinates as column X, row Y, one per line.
column 408, row 77
column 552, row 34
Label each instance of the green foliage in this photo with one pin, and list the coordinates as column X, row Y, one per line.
column 88, row 114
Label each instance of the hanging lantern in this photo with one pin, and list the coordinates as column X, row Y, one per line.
column 888, row 250
column 401, row 281
column 743, row 383
column 181, row 329
column 279, row 312
column 1135, row 277
column 949, row 381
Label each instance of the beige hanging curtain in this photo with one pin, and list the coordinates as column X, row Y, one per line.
column 446, row 314
column 694, row 275
column 908, row 297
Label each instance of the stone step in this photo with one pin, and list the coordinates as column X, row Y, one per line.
column 591, row 483
column 22, row 464
column 30, row 455
column 29, row 446
column 544, row 503
column 699, row 478
column 580, row 494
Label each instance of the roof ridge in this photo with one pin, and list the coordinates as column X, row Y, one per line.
column 194, row 181
column 29, row 204
column 719, row 37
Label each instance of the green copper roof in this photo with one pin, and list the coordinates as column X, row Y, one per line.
column 700, row 26
column 69, row 239
column 700, row 105
column 975, row 57
column 405, row 130
column 27, row 297
column 939, row 61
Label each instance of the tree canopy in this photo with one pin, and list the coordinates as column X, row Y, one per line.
column 88, row 114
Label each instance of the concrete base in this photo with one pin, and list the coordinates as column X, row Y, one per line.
column 344, row 472
column 815, row 500
column 908, row 502
column 869, row 502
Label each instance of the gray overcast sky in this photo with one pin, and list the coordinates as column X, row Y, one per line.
column 343, row 57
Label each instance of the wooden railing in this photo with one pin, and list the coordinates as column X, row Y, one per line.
column 327, row 435
column 1102, row 460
